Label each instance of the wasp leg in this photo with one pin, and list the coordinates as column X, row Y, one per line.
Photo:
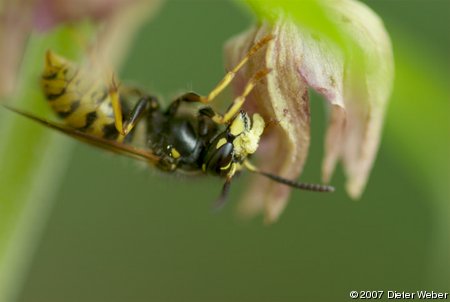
column 239, row 101
column 145, row 103
column 193, row 97
column 116, row 105
column 232, row 73
column 231, row 111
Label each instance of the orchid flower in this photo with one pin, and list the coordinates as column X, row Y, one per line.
column 355, row 78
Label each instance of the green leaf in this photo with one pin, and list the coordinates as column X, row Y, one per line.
column 311, row 14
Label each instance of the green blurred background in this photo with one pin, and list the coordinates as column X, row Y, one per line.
column 122, row 233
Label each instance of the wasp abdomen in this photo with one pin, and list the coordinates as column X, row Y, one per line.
column 77, row 96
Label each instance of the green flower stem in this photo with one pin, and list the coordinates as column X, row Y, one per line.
column 32, row 160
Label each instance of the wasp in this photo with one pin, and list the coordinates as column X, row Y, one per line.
column 130, row 122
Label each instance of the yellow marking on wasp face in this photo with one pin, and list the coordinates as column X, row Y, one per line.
column 221, row 142
column 237, row 126
column 258, row 125
column 247, row 143
column 175, row 154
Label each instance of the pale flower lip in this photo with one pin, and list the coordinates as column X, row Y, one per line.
column 366, row 94
column 356, row 82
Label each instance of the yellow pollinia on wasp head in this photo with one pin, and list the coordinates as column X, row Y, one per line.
column 132, row 122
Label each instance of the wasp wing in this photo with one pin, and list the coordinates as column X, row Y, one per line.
column 110, row 145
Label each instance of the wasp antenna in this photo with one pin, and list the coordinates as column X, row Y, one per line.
column 288, row 182
column 298, row 185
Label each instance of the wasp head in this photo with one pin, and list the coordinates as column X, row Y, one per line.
column 232, row 146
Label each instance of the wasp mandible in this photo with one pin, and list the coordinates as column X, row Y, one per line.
column 197, row 140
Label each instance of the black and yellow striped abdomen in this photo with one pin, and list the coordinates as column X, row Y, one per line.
column 79, row 96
